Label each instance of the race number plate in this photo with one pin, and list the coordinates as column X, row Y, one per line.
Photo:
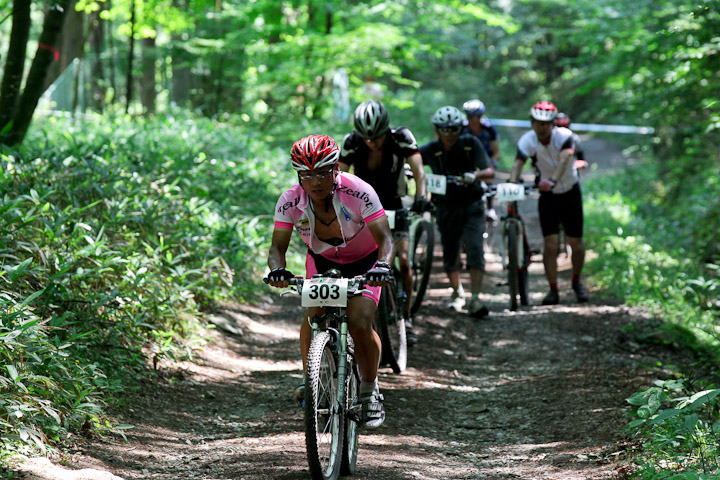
column 325, row 292
column 509, row 192
column 436, row 184
column 391, row 218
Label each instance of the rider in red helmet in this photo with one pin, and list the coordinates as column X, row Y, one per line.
column 551, row 149
column 343, row 224
column 562, row 120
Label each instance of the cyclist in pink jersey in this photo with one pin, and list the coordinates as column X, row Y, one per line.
column 343, row 224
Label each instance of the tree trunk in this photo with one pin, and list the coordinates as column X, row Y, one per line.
column 15, row 63
column 70, row 43
column 148, row 92
column 131, row 53
column 38, row 72
column 98, row 83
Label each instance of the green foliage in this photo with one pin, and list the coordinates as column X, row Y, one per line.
column 650, row 253
column 114, row 234
column 680, row 431
column 664, row 273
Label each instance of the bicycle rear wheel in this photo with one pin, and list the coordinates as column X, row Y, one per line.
column 352, row 419
column 324, row 423
column 523, row 278
column 391, row 329
column 421, row 258
column 513, row 266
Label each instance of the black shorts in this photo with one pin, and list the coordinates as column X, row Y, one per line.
column 347, row 270
column 402, row 225
column 565, row 208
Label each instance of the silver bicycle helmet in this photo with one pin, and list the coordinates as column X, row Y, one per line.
column 474, row 107
column 371, row 119
column 447, row 116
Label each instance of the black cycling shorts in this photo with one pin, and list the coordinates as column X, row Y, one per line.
column 348, row 270
column 565, row 208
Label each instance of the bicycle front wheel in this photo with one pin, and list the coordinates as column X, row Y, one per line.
column 352, row 419
column 421, row 258
column 513, row 264
column 324, row 422
column 391, row 329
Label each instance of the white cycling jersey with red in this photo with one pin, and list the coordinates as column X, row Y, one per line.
column 545, row 157
column 356, row 204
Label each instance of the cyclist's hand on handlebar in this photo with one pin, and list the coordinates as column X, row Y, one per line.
column 545, row 185
column 420, row 205
column 378, row 275
column 279, row 277
column 468, row 177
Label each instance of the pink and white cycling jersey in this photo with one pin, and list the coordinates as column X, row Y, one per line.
column 545, row 157
column 356, row 204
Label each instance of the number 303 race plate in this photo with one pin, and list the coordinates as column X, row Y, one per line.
column 325, row 292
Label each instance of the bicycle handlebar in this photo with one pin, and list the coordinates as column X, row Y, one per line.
column 354, row 284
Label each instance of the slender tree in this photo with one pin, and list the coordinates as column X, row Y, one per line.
column 45, row 55
column 15, row 63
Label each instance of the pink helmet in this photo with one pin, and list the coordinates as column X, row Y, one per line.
column 543, row 111
column 315, row 151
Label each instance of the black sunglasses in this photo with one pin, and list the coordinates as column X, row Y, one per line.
column 449, row 130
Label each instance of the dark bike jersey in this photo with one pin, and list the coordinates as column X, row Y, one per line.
column 388, row 180
column 488, row 134
column 467, row 155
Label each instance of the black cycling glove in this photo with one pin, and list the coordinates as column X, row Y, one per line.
column 420, row 205
column 380, row 272
column 280, row 275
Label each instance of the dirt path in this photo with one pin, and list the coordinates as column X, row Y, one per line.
column 533, row 394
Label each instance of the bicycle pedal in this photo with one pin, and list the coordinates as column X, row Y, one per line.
column 353, row 416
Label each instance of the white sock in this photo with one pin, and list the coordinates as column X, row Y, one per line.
column 367, row 387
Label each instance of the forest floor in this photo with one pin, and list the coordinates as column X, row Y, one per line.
column 538, row 393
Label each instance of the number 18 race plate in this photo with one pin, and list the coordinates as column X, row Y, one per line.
column 325, row 292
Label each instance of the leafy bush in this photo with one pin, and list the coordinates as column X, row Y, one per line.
column 114, row 235
column 680, row 430
column 654, row 250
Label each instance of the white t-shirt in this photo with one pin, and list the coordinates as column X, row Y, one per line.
column 546, row 157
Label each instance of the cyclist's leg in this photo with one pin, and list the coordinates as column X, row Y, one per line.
column 451, row 221
column 573, row 222
column 401, row 245
column 360, row 312
column 550, row 226
column 474, row 250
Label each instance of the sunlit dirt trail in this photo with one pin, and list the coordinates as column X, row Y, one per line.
column 533, row 394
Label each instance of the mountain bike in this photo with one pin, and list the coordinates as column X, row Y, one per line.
column 389, row 322
column 515, row 248
column 332, row 380
column 420, row 252
column 421, row 249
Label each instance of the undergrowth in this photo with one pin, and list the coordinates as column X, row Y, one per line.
column 656, row 249
column 115, row 234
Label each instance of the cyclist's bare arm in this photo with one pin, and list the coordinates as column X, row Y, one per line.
column 278, row 248
column 562, row 165
column 516, row 170
column 380, row 229
column 416, row 165
column 495, row 147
